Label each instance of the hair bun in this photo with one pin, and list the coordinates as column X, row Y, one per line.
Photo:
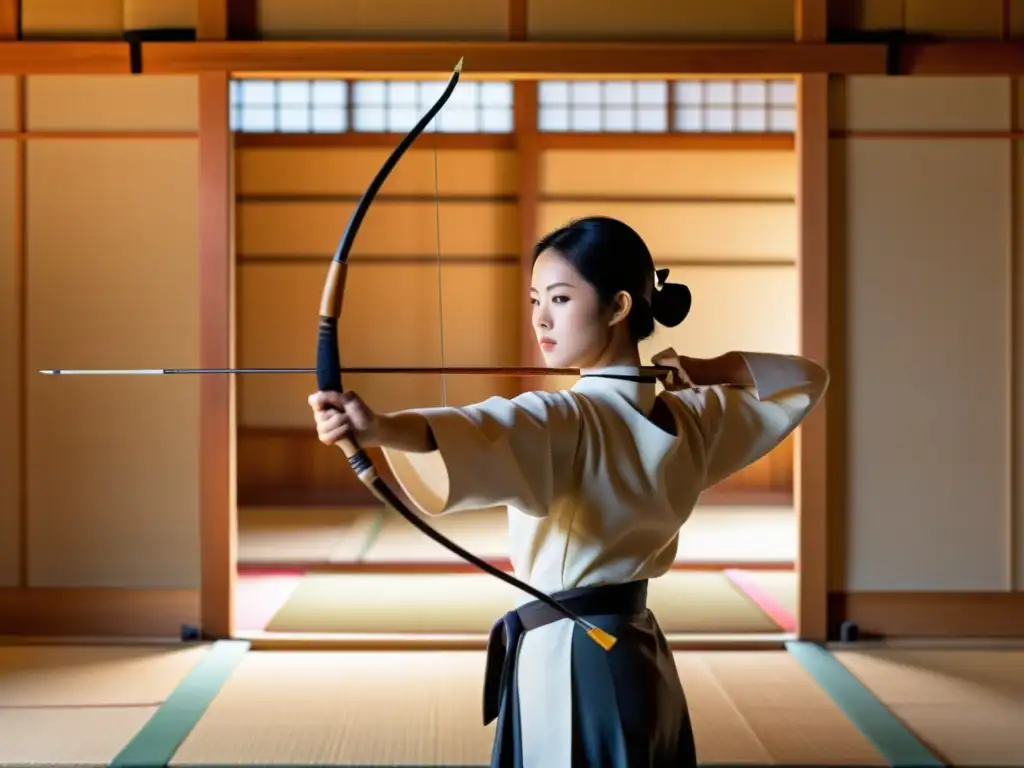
column 670, row 303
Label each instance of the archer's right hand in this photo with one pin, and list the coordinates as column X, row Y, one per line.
column 339, row 415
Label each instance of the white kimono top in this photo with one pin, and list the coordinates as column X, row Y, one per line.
column 596, row 493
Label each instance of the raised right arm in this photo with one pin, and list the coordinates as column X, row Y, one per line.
column 764, row 398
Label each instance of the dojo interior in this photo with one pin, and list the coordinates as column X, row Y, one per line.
column 161, row 530
column 312, row 541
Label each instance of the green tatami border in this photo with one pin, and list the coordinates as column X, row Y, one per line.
column 157, row 741
column 894, row 741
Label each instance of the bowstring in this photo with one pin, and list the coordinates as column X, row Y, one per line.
column 440, row 287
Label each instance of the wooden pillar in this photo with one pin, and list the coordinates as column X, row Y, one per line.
column 528, row 159
column 10, row 19
column 1015, row 532
column 11, row 30
column 811, row 467
column 217, row 437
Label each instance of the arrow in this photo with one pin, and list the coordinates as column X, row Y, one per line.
column 471, row 371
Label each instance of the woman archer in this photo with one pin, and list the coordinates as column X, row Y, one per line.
column 598, row 480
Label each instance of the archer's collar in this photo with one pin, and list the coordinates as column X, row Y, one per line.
column 624, row 381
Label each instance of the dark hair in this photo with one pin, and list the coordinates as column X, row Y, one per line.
column 612, row 257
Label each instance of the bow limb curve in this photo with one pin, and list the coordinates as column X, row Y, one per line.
column 328, row 373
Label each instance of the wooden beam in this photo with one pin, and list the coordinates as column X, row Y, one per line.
column 927, row 135
column 700, row 142
column 918, row 615
column 992, row 58
column 510, row 59
column 212, row 19
column 516, row 140
column 383, row 141
column 810, row 20
column 517, row 19
column 243, row 19
column 514, row 59
column 23, row 135
column 811, row 481
column 37, row 57
column 228, row 20
column 81, row 612
column 10, row 19
column 217, row 502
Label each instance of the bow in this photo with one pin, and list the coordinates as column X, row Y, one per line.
column 328, row 374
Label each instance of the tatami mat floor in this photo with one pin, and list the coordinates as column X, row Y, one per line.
column 280, row 538
column 223, row 705
column 353, row 572
column 685, row 602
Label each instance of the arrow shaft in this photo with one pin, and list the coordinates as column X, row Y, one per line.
column 383, row 370
column 368, row 370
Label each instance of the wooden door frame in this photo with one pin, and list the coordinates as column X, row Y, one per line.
column 818, row 306
column 217, row 449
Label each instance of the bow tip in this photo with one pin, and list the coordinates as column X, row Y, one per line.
column 458, row 67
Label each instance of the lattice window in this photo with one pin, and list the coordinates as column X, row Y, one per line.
column 394, row 106
column 289, row 106
column 612, row 106
column 339, row 106
column 734, row 106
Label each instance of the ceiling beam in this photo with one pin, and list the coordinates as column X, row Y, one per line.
column 514, row 60
column 519, row 60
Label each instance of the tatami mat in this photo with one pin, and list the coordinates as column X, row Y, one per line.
column 422, row 709
column 775, row 592
column 96, row 676
column 69, row 738
column 787, row 711
column 300, row 534
column 258, row 596
column 713, row 534
column 345, row 709
column 739, row 535
column 482, row 532
column 782, row 586
column 683, row 601
column 967, row 706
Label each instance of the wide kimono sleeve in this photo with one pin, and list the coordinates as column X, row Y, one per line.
column 500, row 452
column 739, row 425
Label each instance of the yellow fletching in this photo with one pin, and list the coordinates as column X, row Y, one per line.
column 601, row 637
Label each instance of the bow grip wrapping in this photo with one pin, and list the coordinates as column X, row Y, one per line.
column 328, row 363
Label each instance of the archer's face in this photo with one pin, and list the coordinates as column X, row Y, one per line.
column 566, row 314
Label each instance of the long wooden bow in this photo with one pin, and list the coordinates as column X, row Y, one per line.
column 328, row 374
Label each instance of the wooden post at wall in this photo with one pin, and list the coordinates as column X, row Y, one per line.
column 1014, row 535
column 10, row 29
column 811, row 470
column 10, row 19
column 217, row 496
column 528, row 161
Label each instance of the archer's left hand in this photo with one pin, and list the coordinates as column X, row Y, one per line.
column 339, row 415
